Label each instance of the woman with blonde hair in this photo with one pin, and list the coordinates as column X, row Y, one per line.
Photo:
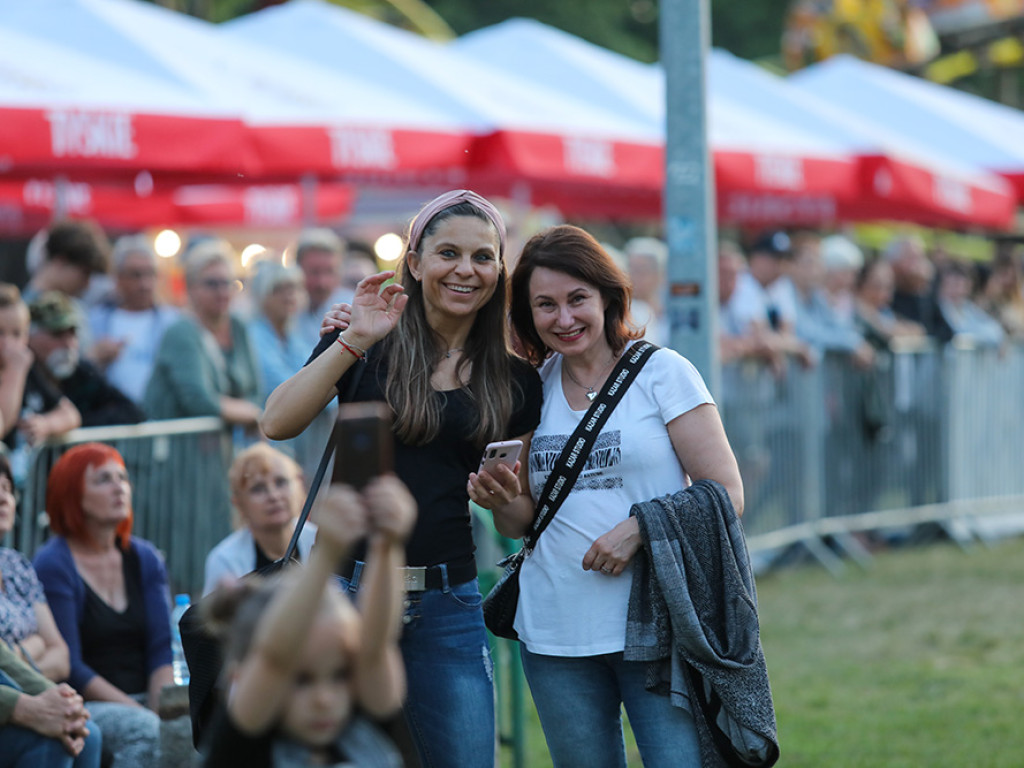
column 205, row 365
column 266, row 494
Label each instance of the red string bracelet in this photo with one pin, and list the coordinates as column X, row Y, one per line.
column 349, row 349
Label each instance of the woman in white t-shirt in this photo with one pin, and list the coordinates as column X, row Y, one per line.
column 569, row 310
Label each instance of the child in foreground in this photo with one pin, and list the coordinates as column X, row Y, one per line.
column 306, row 671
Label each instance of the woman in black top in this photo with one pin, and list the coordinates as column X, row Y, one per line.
column 441, row 360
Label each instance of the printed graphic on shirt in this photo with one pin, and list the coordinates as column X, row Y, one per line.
column 601, row 470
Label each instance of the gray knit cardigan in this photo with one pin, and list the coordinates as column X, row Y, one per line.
column 693, row 614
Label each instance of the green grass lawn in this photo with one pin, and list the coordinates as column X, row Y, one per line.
column 917, row 662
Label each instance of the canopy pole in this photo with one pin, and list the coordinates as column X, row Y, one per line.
column 688, row 201
column 308, row 185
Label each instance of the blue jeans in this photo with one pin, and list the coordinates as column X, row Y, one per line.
column 579, row 702
column 450, row 706
column 24, row 748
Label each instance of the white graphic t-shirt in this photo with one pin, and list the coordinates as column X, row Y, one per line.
column 564, row 610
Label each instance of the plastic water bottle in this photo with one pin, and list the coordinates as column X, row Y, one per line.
column 178, row 663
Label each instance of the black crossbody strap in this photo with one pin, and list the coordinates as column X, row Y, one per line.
column 574, row 455
column 321, row 470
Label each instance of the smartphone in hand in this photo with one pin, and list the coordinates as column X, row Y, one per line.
column 363, row 443
column 505, row 452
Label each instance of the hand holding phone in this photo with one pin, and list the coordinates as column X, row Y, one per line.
column 363, row 443
column 505, row 452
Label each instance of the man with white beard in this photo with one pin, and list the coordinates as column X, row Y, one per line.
column 53, row 339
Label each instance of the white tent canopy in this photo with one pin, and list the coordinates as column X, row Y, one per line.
column 303, row 117
column 311, row 89
column 64, row 110
column 779, row 154
column 936, row 118
column 564, row 148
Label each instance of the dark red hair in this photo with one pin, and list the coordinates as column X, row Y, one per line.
column 66, row 485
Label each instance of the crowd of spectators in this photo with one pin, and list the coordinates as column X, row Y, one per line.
column 92, row 339
column 798, row 295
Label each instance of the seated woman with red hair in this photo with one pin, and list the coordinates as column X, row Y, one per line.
column 108, row 593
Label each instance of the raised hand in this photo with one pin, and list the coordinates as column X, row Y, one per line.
column 341, row 519
column 391, row 509
column 375, row 311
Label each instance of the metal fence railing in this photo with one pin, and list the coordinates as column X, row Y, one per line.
column 927, row 435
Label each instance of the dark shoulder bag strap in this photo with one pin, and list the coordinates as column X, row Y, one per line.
column 321, row 470
column 203, row 651
column 574, row 455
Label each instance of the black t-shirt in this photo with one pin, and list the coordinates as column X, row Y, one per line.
column 114, row 644
column 41, row 395
column 436, row 473
column 98, row 401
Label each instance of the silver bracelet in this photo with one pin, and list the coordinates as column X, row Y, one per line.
column 348, row 343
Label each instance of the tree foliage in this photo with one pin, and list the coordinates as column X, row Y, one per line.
column 749, row 28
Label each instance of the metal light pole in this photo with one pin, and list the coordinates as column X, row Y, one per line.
column 689, row 203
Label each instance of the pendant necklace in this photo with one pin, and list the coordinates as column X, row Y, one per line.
column 591, row 394
column 448, row 354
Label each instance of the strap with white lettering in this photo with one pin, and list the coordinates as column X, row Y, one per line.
column 574, row 455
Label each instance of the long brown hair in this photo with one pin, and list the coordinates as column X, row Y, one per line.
column 572, row 251
column 413, row 350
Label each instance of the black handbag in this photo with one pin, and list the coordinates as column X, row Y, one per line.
column 503, row 599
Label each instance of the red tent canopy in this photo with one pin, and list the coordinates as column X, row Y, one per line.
column 27, row 205
column 62, row 111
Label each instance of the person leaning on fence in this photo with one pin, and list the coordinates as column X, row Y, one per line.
column 970, row 323
column 278, row 296
column 127, row 324
column 1002, row 292
column 205, row 364
column 266, row 493
column 32, row 408
column 873, row 312
column 306, row 674
column 53, row 339
column 441, row 359
column 914, row 280
column 817, row 322
column 570, row 312
column 109, row 595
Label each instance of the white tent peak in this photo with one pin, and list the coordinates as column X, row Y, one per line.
column 481, row 93
column 943, row 119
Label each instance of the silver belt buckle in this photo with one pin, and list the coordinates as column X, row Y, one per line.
column 414, row 578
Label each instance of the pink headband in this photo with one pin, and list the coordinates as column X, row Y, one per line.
column 447, row 200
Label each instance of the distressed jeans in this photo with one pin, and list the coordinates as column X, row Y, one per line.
column 579, row 701
column 450, row 706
